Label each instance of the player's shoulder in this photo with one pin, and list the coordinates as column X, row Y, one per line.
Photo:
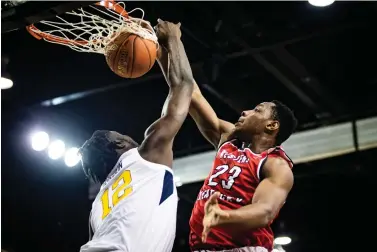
column 278, row 156
column 276, row 162
column 277, row 166
column 279, row 171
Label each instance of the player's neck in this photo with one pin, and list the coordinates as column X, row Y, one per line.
column 260, row 143
column 120, row 152
column 127, row 146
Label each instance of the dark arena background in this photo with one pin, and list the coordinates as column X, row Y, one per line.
column 320, row 61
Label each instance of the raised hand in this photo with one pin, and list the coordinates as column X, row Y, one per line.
column 165, row 30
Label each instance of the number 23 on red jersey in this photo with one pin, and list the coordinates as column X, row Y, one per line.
column 231, row 175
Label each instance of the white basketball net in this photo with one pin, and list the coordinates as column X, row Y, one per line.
column 92, row 33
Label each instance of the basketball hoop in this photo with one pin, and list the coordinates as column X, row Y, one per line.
column 92, row 29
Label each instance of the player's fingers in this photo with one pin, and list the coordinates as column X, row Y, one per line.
column 204, row 238
column 221, row 213
column 207, row 206
column 205, row 233
column 210, row 209
column 179, row 24
column 156, row 27
column 159, row 20
column 213, row 198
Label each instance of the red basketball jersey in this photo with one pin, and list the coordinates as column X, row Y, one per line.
column 236, row 175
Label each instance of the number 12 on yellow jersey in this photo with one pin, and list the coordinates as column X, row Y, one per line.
column 119, row 190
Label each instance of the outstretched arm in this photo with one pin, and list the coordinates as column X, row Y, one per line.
column 212, row 128
column 215, row 130
column 269, row 197
column 158, row 142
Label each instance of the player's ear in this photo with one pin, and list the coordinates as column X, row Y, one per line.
column 273, row 125
column 120, row 144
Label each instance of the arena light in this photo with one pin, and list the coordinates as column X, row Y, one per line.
column 6, row 83
column 39, row 141
column 321, row 3
column 56, row 149
column 283, row 240
column 72, row 157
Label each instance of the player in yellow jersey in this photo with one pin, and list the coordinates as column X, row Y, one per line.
column 135, row 210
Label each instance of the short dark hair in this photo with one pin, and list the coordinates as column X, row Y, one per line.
column 98, row 156
column 287, row 120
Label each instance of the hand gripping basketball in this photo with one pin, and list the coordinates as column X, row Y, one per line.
column 165, row 30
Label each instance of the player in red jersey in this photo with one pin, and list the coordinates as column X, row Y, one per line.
column 249, row 181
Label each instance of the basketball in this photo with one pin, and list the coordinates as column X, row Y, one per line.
column 130, row 56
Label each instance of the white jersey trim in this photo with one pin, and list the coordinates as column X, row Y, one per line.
column 114, row 171
column 148, row 162
column 261, row 162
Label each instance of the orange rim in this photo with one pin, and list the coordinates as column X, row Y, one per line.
column 109, row 4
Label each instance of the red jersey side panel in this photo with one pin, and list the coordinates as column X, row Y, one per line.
column 235, row 174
